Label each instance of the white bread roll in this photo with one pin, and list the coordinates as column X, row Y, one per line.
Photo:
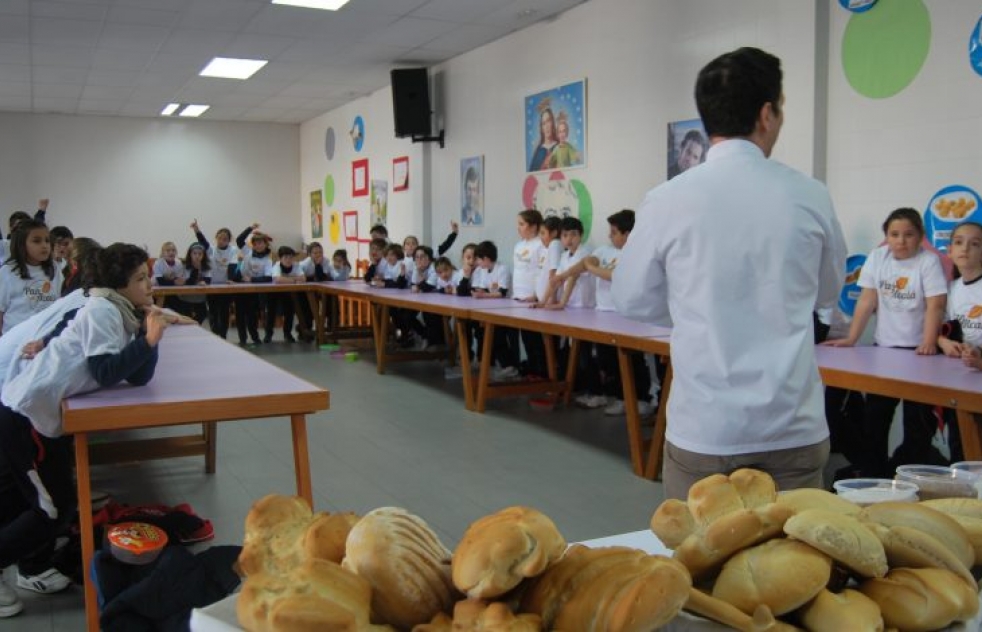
column 718, row 494
column 325, row 536
column 808, row 498
column 848, row 610
column 274, row 529
column 968, row 513
column 763, row 620
column 781, row 574
column 913, row 548
column 405, row 563
column 923, row 518
column 921, row 599
column 500, row 550
column 476, row 615
column 843, row 538
column 672, row 522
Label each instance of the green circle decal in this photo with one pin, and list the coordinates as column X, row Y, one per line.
column 586, row 207
column 884, row 48
column 328, row 190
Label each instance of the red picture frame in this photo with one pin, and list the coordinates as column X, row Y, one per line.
column 400, row 173
column 359, row 177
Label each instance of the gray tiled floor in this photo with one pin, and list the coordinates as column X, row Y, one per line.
column 400, row 439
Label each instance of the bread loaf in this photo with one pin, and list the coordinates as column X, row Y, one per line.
column 325, row 536
column 718, row 494
column 476, row 615
column 923, row 518
column 274, row 529
column 672, row 522
column 848, row 610
column 781, row 574
column 718, row 610
column 841, row 537
column 406, row 565
column 921, row 599
column 968, row 513
column 808, row 498
column 909, row 547
column 500, row 550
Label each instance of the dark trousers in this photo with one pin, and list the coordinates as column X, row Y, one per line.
column 37, row 490
column 197, row 311
column 604, row 376
column 218, row 307
column 876, row 433
column 279, row 303
column 535, row 353
column 504, row 347
column 247, row 316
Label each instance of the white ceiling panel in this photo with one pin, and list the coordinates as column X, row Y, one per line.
column 54, row 104
column 257, row 46
column 118, row 93
column 121, row 14
column 15, row 7
column 98, row 106
column 14, row 89
column 219, row 15
column 459, row 10
column 103, row 59
column 58, row 32
column 465, row 37
column 15, row 104
column 72, row 56
column 133, row 37
column 15, row 28
column 409, row 32
column 113, row 78
column 58, row 90
column 15, row 53
column 206, row 44
column 68, row 10
column 58, row 74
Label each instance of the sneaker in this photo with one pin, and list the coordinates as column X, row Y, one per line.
column 591, row 401
column 10, row 603
column 289, row 337
column 268, row 338
column 505, row 373
column 422, row 344
column 646, row 409
column 453, row 373
column 615, row 409
column 50, row 581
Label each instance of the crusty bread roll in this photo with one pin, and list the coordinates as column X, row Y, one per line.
column 781, row 574
column 318, row 595
column 325, row 536
column 848, row 610
column 500, row 550
column 718, row 494
column 274, row 528
column 968, row 513
column 913, row 548
column 672, row 522
column 808, row 498
column 923, row 518
column 476, row 615
column 718, row 610
column 921, row 599
column 843, row 538
column 405, row 563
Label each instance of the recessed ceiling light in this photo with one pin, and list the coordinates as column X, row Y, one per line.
column 229, row 68
column 194, row 110
column 327, row 5
column 170, row 109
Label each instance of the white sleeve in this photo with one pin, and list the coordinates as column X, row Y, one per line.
column 555, row 254
column 277, row 271
column 870, row 271
column 639, row 286
column 158, row 267
column 99, row 328
column 7, row 286
column 832, row 270
column 267, row 267
column 307, row 267
column 504, row 278
column 933, row 277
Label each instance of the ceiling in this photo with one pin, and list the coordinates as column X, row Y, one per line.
column 133, row 57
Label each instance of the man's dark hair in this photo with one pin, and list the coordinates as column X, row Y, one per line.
column 731, row 90
column 622, row 220
column 486, row 250
column 571, row 223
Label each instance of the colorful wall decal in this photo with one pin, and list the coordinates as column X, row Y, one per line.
column 687, row 146
column 400, row 173
column 947, row 208
column 851, row 290
column 555, row 128
column 329, row 142
column 379, row 203
column 555, row 195
column 357, row 133
column 857, row 6
column 334, row 230
column 472, row 191
column 316, row 215
column 884, row 49
column 329, row 190
column 975, row 47
column 359, row 177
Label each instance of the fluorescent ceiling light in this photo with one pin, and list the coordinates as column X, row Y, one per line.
column 170, row 109
column 194, row 110
column 327, row 5
column 229, row 68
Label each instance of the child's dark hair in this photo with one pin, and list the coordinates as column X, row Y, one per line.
column 571, row 224
column 957, row 273
column 425, row 250
column 532, row 217
column 286, row 251
column 205, row 262
column 314, row 244
column 908, row 214
column 395, row 249
column 117, row 263
column 622, row 220
column 225, row 231
column 18, row 250
column 552, row 225
column 60, row 232
column 16, row 218
column 443, row 262
column 86, row 255
column 379, row 244
column 379, row 229
column 486, row 250
column 341, row 252
column 470, row 246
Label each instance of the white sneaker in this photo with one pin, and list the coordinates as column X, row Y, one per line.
column 50, row 581
column 421, row 344
column 591, row 401
column 506, row 373
column 615, row 409
column 645, row 409
column 10, row 603
column 453, row 373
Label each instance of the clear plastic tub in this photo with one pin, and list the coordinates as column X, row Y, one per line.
column 975, row 467
column 868, row 491
column 937, row 481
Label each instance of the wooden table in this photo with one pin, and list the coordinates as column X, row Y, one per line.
column 185, row 390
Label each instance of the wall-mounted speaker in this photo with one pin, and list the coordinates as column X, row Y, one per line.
column 411, row 101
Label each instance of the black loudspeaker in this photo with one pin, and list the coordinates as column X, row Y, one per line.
column 411, row 102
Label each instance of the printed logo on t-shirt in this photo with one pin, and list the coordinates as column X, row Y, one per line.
column 523, row 256
column 971, row 319
column 975, row 311
column 38, row 295
column 896, row 289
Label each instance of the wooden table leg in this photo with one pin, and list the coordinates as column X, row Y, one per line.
column 210, row 432
column 549, row 341
column 574, row 351
column 465, row 362
column 630, row 395
column 380, row 325
column 484, row 375
column 448, row 338
column 314, row 302
column 652, row 468
column 84, row 485
column 301, row 458
column 968, row 426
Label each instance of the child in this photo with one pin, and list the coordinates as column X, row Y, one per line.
column 82, row 265
column 313, row 266
column 905, row 285
column 492, row 280
column 168, row 269
column 61, row 246
column 379, row 231
column 445, row 273
column 29, row 279
column 525, row 275
column 468, row 264
column 108, row 342
column 409, row 246
column 564, row 154
column 16, row 218
column 340, row 266
column 285, row 271
column 575, row 294
column 961, row 336
column 197, row 271
column 255, row 266
column 223, row 257
column 395, row 274
column 376, row 266
column 549, row 257
column 425, row 279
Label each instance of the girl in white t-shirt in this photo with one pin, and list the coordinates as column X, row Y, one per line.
column 961, row 336
column 905, row 285
column 549, row 258
column 223, row 256
column 29, row 279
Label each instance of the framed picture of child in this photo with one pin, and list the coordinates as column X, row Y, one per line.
column 555, row 128
column 379, row 203
column 472, row 191
column 687, row 146
column 316, row 215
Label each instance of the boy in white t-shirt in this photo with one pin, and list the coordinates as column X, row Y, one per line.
column 492, row 280
column 528, row 256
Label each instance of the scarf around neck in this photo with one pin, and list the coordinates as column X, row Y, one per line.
column 131, row 322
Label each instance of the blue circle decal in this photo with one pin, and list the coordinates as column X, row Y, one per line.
column 851, row 290
column 358, row 133
column 948, row 208
column 975, row 48
column 857, row 6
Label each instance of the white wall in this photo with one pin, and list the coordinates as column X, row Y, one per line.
column 144, row 180
column 640, row 58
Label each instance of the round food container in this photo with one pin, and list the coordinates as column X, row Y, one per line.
column 136, row 542
column 868, row 491
column 975, row 467
column 937, row 481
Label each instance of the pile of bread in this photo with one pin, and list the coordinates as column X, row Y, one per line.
column 817, row 561
column 388, row 570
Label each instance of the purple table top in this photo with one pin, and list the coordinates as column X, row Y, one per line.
column 587, row 320
column 903, row 365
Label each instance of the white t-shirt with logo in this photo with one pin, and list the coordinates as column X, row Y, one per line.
column 22, row 298
column 295, row 271
column 902, row 287
column 607, row 257
column 965, row 306
column 584, row 292
column 427, row 276
column 494, row 280
column 525, row 267
column 549, row 257
column 220, row 260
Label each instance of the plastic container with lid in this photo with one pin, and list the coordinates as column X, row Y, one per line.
column 938, row 481
column 975, row 467
column 868, row 491
column 136, row 542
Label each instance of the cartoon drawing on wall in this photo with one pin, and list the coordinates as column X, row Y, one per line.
column 851, row 290
column 334, row 230
column 472, row 191
column 975, row 47
column 329, row 190
column 316, row 215
column 379, row 203
column 329, row 141
column 359, row 177
column 400, row 173
column 555, row 195
column 555, row 128
column 947, row 208
column 687, row 146
column 857, row 6
column 357, row 133
column 884, row 48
